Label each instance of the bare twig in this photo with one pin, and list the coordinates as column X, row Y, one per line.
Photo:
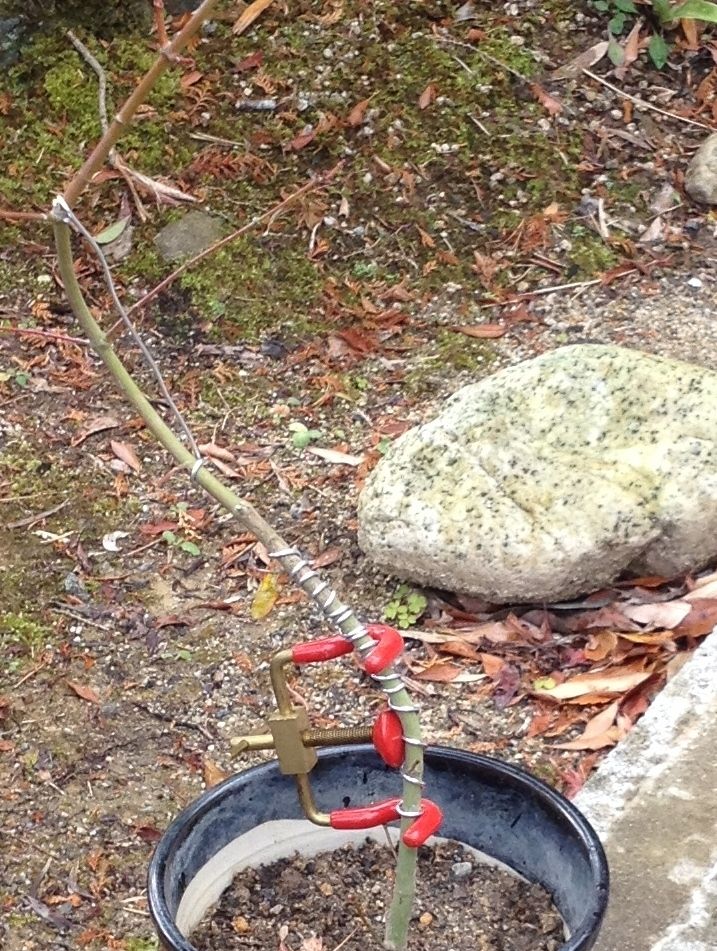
column 644, row 104
column 554, row 289
column 159, row 23
column 146, row 353
column 94, row 63
column 38, row 517
column 269, row 215
column 486, row 56
column 7, row 215
column 47, row 334
column 29, row 675
column 290, row 558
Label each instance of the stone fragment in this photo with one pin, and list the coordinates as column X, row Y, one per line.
column 191, row 234
column 701, row 174
column 552, row 478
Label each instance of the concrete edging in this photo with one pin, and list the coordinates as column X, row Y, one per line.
column 653, row 801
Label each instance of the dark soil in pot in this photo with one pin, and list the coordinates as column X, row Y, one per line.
column 338, row 899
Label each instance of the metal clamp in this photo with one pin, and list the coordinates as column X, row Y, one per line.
column 295, row 742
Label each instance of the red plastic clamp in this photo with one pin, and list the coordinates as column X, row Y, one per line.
column 389, row 647
column 366, row 817
column 424, row 826
column 379, row 813
column 328, row 648
column 388, row 738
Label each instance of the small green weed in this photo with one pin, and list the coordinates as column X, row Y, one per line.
column 141, row 944
column 406, row 607
column 21, row 631
column 302, row 436
column 173, row 541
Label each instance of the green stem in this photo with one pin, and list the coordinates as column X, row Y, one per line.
column 402, row 903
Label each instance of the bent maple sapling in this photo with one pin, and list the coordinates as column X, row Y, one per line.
column 186, row 454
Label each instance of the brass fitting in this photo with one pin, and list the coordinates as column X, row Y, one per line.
column 294, row 741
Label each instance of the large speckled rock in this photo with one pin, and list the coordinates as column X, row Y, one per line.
column 701, row 175
column 551, row 478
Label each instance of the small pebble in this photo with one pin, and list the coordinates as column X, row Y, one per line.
column 461, row 869
column 694, row 282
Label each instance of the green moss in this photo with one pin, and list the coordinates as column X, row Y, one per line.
column 589, row 254
column 19, row 630
column 252, row 292
column 451, row 351
column 53, row 117
column 141, row 944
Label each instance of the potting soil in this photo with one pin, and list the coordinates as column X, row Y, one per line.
column 340, row 898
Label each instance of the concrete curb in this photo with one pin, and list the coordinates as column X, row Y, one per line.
column 653, row 801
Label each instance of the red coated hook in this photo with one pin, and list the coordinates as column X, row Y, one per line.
column 423, row 826
column 387, row 738
column 327, row 648
column 365, row 817
column 389, row 647
column 379, row 813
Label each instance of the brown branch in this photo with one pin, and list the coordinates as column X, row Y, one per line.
column 48, row 334
column 7, row 215
column 166, row 58
column 159, row 23
column 267, row 215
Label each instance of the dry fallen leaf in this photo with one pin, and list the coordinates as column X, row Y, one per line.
column 125, row 453
column 485, row 331
column 440, row 672
column 336, row 457
column 584, row 61
column 615, row 680
column 358, row 113
column 600, row 645
column 599, row 732
column 703, row 592
column 667, row 614
column 249, row 15
column 83, row 691
column 551, row 105
column 212, row 773
column 428, row 96
column 630, row 50
column 329, row 556
column 701, row 620
column 265, row 597
column 217, row 452
column 460, row 648
column 96, row 425
column 492, row 665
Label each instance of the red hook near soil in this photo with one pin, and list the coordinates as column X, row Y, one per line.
column 366, row 817
column 379, row 813
column 423, row 826
column 327, row 648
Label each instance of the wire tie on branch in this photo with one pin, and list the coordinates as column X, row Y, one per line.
column 413, row 779
column 196, row 467
column 408, row 813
